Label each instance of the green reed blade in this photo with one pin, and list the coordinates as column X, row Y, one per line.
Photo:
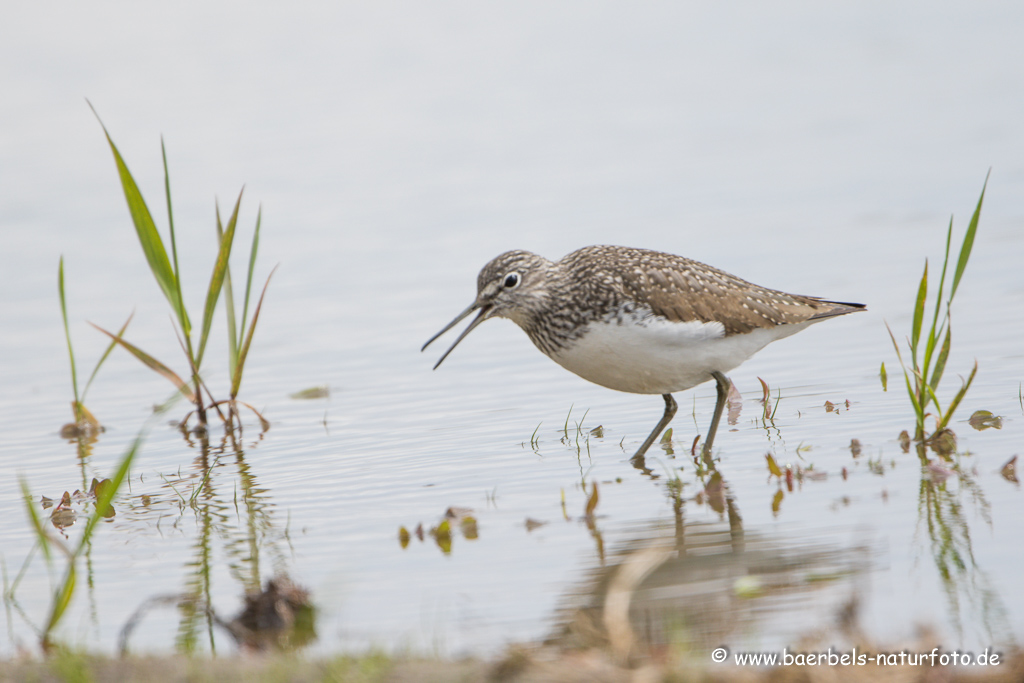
column 940, row 362
column 153, row 364
column 958, row 398
column 61, row 600
column 236, row 379
column 252, row 264
column 67, row 332
column 220, row 267
column 915, row 331
column 968, row 244
column 183, row 320
column 918, row 408
column 103, row 358
column 42, row 538
column 229, row 305
column 149, row 238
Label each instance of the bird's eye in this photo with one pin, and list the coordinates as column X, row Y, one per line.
column 512, row 280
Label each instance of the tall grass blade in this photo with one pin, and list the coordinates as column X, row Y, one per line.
column 67, row 335
column 252, row 265
column 61, row 600
column 106, row 352
column 153, row 364
column 186, row 324
column 940, row 362
column 918, row 408
column 965, row 248
column 220, row 267
column 236, row 379
column 955, row 403
column 145, row 228
column 42, row 538
column 229, row 306
column 915, row 331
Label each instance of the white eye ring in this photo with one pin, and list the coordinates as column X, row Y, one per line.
column 512, row 280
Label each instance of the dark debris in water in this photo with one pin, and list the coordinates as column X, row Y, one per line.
column 280, row 617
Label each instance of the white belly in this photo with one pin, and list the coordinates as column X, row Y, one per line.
column 661, row 357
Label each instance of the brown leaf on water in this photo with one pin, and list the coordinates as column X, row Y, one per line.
column 47, row 502
column 404, row 537
column 777, row 502
column 845, row 474
column 419, row 531
column 905, row 441
column 457, row 513
column 984, row 419
column 597, row 432
column 830, row 407
column 469, row 528
column 773, row 466
column 312, row 393
column 765, row 392
column 1009, row 471
column 789, row 478
column 532, row 524
column 63, row 517
column 855, row 447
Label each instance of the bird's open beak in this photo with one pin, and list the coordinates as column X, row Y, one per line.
column 485, row 313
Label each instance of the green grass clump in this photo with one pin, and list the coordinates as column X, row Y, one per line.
column 927, row 356
column 167, row 275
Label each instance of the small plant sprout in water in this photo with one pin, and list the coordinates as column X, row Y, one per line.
column 929, row 348
column 85, row 424
column 168, row 276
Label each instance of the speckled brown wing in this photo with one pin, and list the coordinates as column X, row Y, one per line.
column 684, row 290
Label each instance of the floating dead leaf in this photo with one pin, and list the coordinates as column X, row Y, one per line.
column 845, row 474
column 597, row 432
column 457, row 513
column 65, row 500
column 830, row 407
column 855, row 447
column 469, row 529
column 146, row 499
column 63, row 517
column 532, row 524
column 311, row 393
column 943, row 442
column 777, row 502
column 765, row 392
column 667, row 436
column 419, row 531
column 773, row 466
column 404, row 537
column 904, row 441
column 1009, row 470
column 984, row 419
column 789, row 478
column 442, row 534
column 47, row 502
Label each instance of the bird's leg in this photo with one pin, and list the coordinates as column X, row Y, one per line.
column 723, row 396
column 670, row 411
